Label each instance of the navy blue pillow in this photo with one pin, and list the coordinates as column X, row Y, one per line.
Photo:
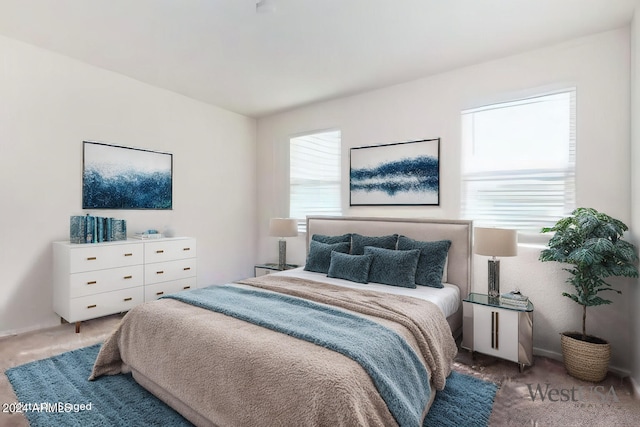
column 433, row 256
column 332, row 239
column 391, row 267
column 350, row 267
column 358, row 242
column 319, row 257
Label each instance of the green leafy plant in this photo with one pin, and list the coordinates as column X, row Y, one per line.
column 591, row 242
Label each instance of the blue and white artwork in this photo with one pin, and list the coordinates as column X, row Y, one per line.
column 116, row 177
column 406, row 173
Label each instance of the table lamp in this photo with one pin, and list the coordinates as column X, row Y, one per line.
column 495, row 242
column 283, row 227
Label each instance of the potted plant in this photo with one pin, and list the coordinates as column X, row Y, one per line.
column 591, row 243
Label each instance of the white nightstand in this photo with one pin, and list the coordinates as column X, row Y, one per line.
column 262, row 269
column 498, row 330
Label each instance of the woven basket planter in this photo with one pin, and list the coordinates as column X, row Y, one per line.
column 585, row 360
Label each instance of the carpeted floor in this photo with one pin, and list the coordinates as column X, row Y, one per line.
column 593, row 404
column 529, row 399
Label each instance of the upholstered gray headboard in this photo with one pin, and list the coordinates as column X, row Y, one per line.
column 458, row 231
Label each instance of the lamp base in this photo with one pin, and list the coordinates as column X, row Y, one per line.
column 494, row 278
column 282, row 254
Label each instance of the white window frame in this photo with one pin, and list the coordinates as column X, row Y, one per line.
column 315, row 175
column 496, row 191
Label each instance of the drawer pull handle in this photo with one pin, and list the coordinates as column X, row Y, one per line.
column 92, row 258
column 128, row 299
column 186, row 249
column 187, row 268
column 91, row 306
column 128, row 277
column 93, row 282
column 160, row 272
column 129, row 254
column 495, row 330
column 160, row 293
column 160, row 251
column 187, row 287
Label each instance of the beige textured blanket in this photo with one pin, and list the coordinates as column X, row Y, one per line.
column 233, row 373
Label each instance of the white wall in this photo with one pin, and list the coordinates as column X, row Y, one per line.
column 635, row 188
column 430, row 107
column 49, row 104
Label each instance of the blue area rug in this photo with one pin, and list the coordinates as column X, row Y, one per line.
column 55, row 391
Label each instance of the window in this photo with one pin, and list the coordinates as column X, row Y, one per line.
column 314, row 178
column 518, row 168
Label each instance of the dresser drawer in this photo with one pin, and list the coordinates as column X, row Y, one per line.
column 170, row 270
column 94, row 282
column 155, row 291
column 169, row 250
column 97, row 305
column 99, row 257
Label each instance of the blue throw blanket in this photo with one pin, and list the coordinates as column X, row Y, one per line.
column 397, row 372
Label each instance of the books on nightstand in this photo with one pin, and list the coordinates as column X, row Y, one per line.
column 514, row 299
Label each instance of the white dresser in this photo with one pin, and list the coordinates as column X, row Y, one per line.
column 98, row 279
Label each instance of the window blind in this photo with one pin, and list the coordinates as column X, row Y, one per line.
column 519, row 162
column 314, row 176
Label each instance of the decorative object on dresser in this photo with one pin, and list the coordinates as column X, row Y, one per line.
column 149, row 235
column 404, row 173
column 592, row 243
column 495, row 242
column 283, row 227
column 497, row 329
column 116, row 177
column 99, row 279
column 96, row 229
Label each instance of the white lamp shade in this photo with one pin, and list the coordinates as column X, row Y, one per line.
column 283, row 227
column 496, row 242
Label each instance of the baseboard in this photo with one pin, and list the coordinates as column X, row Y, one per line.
column 558, row 356
column 39, row 327
column 547, row 353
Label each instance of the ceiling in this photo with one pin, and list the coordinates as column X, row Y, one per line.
column 295, row 52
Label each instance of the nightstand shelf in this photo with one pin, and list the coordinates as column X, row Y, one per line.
column 262, row 269
column 497, row 329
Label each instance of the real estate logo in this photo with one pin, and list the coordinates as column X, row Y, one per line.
column 580, row 395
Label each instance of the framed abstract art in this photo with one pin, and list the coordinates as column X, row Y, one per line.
column 404, row 173
column 116, row 177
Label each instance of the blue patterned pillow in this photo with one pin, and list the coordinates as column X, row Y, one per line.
column 319, row 257
column 433, row 256
column 391, row 267
column 350, row 267
column 332, row 239
column 358, row 242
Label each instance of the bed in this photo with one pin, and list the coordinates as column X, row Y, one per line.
column 220, row 356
